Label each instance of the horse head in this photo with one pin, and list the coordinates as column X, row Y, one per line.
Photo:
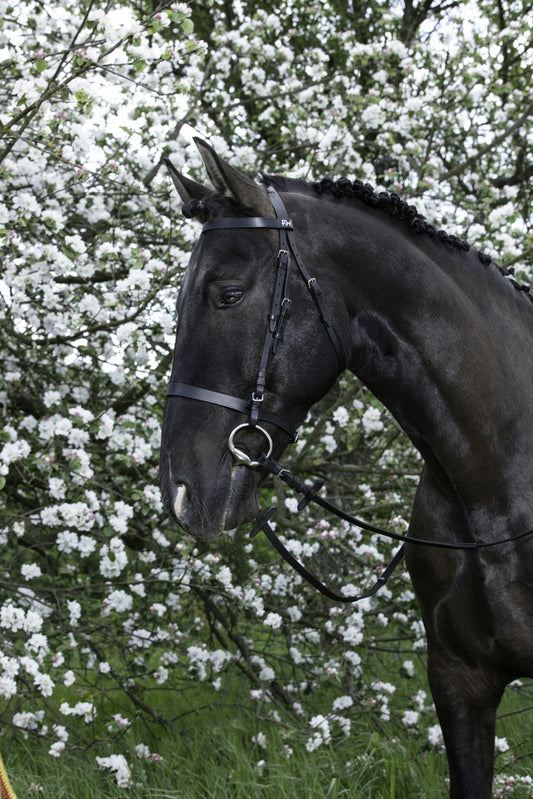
column 250, row 358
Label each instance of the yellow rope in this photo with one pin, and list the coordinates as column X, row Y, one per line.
column 6, row 791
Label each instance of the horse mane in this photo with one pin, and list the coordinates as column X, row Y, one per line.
column 392, row 204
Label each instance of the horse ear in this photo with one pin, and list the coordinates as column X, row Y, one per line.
column 187, row 189
column 231, row 183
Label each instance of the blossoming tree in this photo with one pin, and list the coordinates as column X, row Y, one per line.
column 99, row 596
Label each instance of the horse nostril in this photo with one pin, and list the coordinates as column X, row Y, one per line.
column 179, row 500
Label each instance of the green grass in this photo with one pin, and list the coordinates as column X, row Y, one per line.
column 210, row 755
column 213, row 763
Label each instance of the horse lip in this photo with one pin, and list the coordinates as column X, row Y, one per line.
column 242, row 504
column 236, row 504
column 193, row 523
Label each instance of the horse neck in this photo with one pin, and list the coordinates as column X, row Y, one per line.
column 443, row 341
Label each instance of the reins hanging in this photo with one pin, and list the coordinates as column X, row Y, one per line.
column 310, row 494
column 263, row 524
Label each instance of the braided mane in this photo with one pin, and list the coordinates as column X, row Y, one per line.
column 395, row 207
column 389, row 202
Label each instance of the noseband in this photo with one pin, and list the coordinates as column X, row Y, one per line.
column 253, row 407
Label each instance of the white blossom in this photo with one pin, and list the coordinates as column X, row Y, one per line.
column 51, row 398
column 113, row 558
column 435, row 736
column 142, row 751
column 85, row 710
column 57, row 749
column 501, row 745
column 260, row 739
column 57, row 487
column 341, row 416
column 119, row 766
column 74, row 609
column 408, row 667
column 69, row 678
column 14, row 451
column 12, row 617
column 371, row 420
column 342, row 702
column 273, row 620
column 410, row 718
column 30, row 570
column 44, row 684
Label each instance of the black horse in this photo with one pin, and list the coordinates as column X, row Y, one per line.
column 437, row 334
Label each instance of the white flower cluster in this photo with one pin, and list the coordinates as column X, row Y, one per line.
column 118, row 765
column 204, row 662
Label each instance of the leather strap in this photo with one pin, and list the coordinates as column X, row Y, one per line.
column 284, row 224
column 230, row 223
column 263, row 524
column 310, row 494
column 277, row 318
column 226, row 401
column 311, row 282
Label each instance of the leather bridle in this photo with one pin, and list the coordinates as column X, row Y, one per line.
column 253, row 407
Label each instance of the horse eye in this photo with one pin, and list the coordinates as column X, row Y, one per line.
column 232, row 297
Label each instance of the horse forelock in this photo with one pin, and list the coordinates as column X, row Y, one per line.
column 211, row 206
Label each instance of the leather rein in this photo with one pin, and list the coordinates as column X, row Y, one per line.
column 254, row 409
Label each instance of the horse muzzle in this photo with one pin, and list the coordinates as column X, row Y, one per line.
column 204, row 512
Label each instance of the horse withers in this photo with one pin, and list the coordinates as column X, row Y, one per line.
column 435, row 332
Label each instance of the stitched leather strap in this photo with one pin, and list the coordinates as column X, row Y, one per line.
column 310, row 494
column 230, row 223
column 311, row 282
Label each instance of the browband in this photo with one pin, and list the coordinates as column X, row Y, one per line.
column 230, row 223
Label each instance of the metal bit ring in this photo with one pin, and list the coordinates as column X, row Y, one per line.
column 242, row 457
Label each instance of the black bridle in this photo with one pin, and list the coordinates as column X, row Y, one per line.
column 253, row 406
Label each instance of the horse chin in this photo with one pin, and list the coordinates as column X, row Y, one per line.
column 242, row 505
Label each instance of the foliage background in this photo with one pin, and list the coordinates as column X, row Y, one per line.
column 115, row 626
